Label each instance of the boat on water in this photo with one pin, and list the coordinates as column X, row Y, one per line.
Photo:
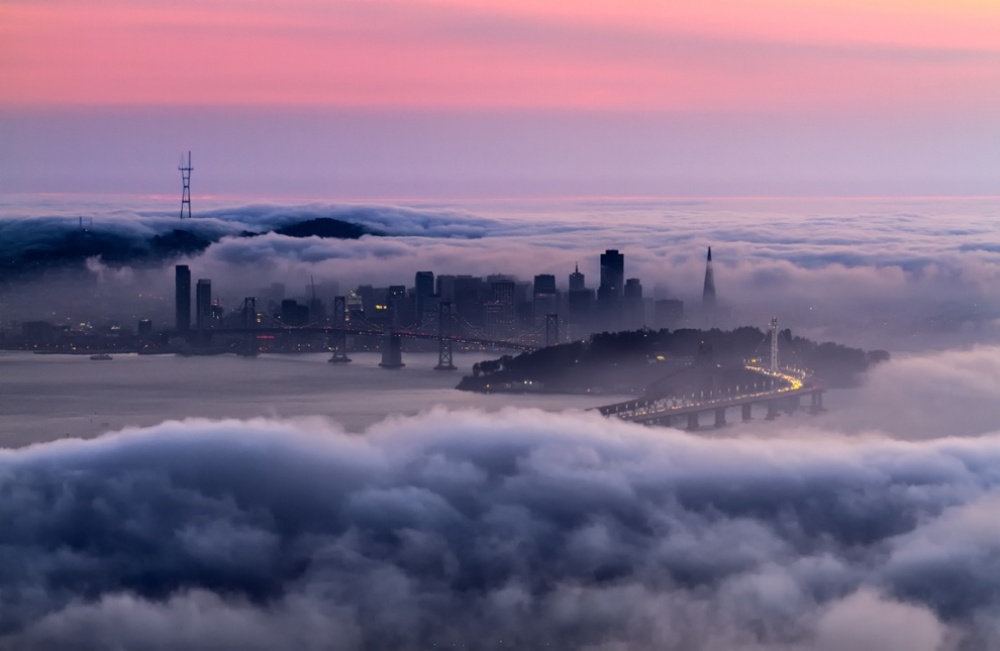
column 101, row 357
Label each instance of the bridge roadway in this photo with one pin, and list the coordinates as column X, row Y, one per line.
column 793, row 384
column 411, row 334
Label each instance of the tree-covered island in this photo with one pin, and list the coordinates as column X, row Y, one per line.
column 664, row 363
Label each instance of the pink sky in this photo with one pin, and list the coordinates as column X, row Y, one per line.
column 335, row 98
column 784, row 56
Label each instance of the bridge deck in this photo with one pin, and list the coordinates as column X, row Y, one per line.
column 409, row 334
column 798, row 383
column 639, row 414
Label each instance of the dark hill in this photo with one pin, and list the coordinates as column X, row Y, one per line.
column 325, row 227
column 663, row 363
column 72, row 249
column 68, row 248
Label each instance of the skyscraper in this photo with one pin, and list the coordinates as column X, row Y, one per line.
column 580, row 304
column 577, row 281
column 545, row 297
column 613, row 273
column 634, row 308
column 612, row 289
column 182, row 297
column 500, row 311
column 395, row 300
column 203, row 303
column 708, row 294
column 545, row 284
column 423, row 289
column 709, row 313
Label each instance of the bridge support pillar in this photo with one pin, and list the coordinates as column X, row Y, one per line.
column 338, row 338
column 693, row 420
column 772, row 410
column 664, row 421
column 816, row 402
column 793, row 404
column 720, row 416
column 250, row 348
column 392, row 351
column 445, row 362
column 747, row 412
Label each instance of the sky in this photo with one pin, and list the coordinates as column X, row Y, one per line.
column 486, row 136
column 427, row 98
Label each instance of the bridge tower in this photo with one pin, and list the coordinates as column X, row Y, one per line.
column 249, row 314
column 774, row 344
column 392, row 350
column 445, row 362
column 551, row 329
column 338, row 338
column 185, row 169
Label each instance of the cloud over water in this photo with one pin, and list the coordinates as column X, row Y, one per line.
column 521, row 529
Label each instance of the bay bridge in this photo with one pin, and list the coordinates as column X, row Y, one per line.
column 776, row 387
column 447, row 327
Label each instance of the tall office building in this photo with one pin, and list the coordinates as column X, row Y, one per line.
column 500, row 311
column 613, row 272
column 579, row 304
column 544, row 284
column 423, row 289
column 182, row 297
column 294, row 313
column 395, row 300
column 423, row 283
column 634, row 308
column 544, row 298
column 610, row 293
column 469, row 295
column 577, row 281
column 203, row 303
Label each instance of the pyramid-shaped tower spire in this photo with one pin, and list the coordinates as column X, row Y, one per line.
column 708, row 294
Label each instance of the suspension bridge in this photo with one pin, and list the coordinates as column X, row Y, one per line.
column 447, row 327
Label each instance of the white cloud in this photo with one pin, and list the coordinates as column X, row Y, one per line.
column 472, row 528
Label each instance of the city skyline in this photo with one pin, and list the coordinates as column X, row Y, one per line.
column 475, row 324
column 882, row 265
column 523, row 306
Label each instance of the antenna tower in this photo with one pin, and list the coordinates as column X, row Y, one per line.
column 186, row 181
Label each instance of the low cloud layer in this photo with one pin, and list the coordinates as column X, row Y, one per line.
column 514, row 530
column 923, row 396
column 869, row 273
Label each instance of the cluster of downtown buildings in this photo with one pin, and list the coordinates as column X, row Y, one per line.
column 495, row 307
column 498, row 306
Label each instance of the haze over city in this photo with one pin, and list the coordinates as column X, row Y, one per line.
column 549, row 421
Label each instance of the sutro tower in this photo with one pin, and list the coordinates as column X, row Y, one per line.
column 708, row 294
column 186, row 180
